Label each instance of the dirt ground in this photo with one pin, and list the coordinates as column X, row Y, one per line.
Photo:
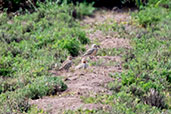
column 93, row 80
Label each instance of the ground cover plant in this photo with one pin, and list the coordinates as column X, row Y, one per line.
column 144, row 85
column 147, row 75
column 30, row 45
column 33, row 42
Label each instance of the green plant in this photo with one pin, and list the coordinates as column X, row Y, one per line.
column 83, row 9
column 30, row 44
column 35, row 110
column 82, row 37
column 111, row 51
column 154, row 98
column 145, row 82
column 13, row 102
column 72, row 45
column 17, row 101
column 5, row 67
column 149, row 16
column 43, row 86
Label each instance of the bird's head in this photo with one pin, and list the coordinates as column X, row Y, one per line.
column 94, row 46
column 84, row 60
column 70, row 58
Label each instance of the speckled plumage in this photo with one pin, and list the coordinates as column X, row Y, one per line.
column 67, row 64
column 92, row 51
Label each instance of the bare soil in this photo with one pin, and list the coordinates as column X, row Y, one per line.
column 94, row 80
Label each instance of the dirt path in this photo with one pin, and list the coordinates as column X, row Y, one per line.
column 92, row 81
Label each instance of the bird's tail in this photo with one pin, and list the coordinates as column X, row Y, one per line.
column 60, row 69
column 83, row 55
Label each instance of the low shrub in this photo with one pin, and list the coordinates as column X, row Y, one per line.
column 149, row 16
column 154, row 98
column 72, row 45
column 30, row 44
column 13, row 103
column 14, row 5
column 8, row 85
column 83, row 9
column 145, row 83
column 43, row 86
column 17, row 101
column 5, row 67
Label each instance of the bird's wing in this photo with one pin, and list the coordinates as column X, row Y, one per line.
column 95, row 51
column 86, row 65
column 65, row 65
column 89, row 52
column 79, row 66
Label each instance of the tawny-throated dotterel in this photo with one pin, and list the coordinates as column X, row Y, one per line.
column 82, row 65
column 92, row 51
column 66, row 64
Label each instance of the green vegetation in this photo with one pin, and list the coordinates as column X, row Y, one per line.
column 144, row 85
column 30, row 45
column 147, row 75
column 148, row 65
column 17, row 101
column 33, row 42
column 15, row 5
column 111, row 52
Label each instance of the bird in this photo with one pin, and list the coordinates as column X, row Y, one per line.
column 92, row 51
column 82, row 65
column 66, row 64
